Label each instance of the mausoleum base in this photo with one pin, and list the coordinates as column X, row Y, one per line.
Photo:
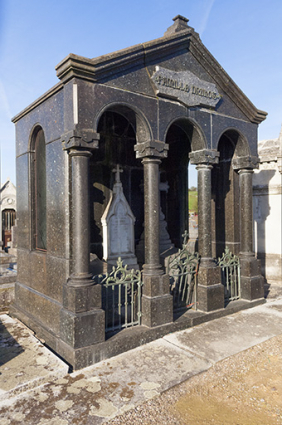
column 82, row 329
column 127, row 339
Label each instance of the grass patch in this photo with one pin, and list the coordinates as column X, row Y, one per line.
column 193, row 201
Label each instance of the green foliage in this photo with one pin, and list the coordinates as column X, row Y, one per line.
column 193, row 201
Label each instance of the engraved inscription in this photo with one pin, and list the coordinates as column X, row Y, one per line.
column 185, row 87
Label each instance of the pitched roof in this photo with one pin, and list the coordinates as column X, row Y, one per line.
column 177, row 38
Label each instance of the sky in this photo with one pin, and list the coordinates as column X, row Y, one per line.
column 244, row 36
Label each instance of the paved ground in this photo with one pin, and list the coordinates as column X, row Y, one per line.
column 35, row 387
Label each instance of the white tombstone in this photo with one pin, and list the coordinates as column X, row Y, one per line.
column 118, row 228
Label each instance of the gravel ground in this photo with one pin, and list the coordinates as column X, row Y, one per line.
column 245, row 389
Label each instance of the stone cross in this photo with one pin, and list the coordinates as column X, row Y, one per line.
column 185, row 237
column 117, row 170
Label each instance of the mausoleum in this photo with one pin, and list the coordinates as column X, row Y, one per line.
column 102, row 169
column 8, row 204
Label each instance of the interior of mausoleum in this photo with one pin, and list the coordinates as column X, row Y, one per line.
column 105, row 258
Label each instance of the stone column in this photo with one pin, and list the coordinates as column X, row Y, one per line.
column 157, row 303
column 204, row 208
column 246, row 212
column 251, row 279
column 82, row 318
column 151, row 216
column 210, row 289
column 80, row 219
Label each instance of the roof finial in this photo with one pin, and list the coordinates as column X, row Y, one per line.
column 180, row 24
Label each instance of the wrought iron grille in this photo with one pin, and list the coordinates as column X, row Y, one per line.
column 121, row 297
column 182, row 268
column 230, row 275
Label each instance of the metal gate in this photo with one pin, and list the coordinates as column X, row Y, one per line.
column 121, row 297
column 182, row 268
column 230, row 275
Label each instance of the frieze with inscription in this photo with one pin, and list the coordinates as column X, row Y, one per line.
column 185, row 87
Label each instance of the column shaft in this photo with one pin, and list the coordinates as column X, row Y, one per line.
column 204, row 207
column 246, row 211
column 152, row 216
column 80, row 216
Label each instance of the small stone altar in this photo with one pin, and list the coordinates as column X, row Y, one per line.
column 118, row 227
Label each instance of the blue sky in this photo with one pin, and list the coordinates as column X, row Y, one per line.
column 243, row 35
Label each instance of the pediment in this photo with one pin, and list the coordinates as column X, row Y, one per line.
column 176, row 66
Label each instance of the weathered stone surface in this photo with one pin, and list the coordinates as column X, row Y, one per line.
column 157, row 311
column 210, row 297
column 82, row 329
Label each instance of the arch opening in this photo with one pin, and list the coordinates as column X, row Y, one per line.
column 38, row 189
column 225, row 195
column 174, row 173
column 117, row 128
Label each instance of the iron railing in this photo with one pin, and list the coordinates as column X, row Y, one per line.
column 230, row 275
column 121, row 297
column 182, row 268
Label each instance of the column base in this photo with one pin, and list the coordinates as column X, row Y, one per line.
column 80, row 299
column 252, row 288
column 157, row 311
column 210, row 290
column 82, row 329
column 157, row 303
column 211, row 297
column 252, row 282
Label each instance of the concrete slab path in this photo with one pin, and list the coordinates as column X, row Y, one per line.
column 37, row 389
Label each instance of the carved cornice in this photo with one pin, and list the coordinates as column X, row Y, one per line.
column 80, row 139
column 204, row 156
column 108, row 66
column 152, row 148
column 245, row 162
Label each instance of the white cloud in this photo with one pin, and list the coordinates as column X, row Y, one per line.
column 206, row 15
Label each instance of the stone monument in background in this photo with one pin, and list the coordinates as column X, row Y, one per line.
column 267, row 194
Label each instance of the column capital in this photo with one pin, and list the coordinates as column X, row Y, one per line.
column 245, row 171
column 86, row 139
column 151, row 148
column 245, row 162
column 204, row 156
column 151, row 160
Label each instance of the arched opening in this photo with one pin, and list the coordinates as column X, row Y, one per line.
column 117, row 129
column 225, row 196
column 183, row 137
column 8, row 221
column 174, row 173
column 38, row 188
